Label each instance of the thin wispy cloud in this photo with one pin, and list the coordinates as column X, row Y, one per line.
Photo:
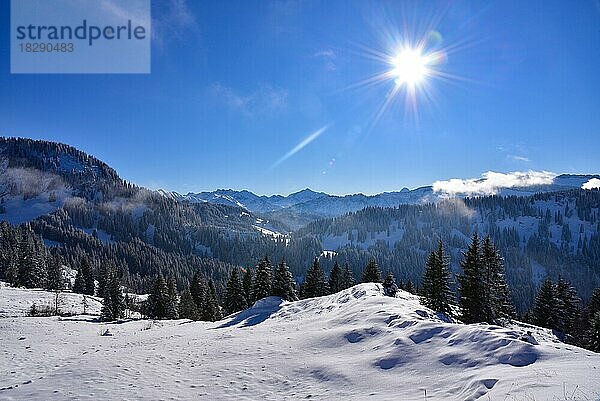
column 519, row 158
column 265, row 99
column 491, row 182
column 591, row 184
column 303, row 143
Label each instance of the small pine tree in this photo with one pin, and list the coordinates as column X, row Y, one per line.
column 234, row 300
column 211, row 311
column 283, row 283
column 158, row 299
column 314, row 283
column 435, row 288
column 247, row 285
column 347, row 277
column 336, row 283
column 389, row 285
column 187, row 306
column 371, row 273
column 172, row 299
column 263, row 279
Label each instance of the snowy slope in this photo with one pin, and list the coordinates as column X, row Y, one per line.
column 356, row 345
column 16, row 302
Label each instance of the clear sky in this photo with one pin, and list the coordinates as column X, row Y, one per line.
column 262, row 95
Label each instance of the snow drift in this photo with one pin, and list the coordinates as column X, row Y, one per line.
column 356, row 344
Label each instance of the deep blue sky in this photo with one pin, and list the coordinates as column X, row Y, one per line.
column 236, row 84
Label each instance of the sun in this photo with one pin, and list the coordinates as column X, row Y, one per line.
column 410, row 67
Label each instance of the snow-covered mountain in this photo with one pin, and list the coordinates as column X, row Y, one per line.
column 300, row 208
column 354, row 345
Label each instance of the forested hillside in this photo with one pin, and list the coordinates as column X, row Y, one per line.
column 551, row 234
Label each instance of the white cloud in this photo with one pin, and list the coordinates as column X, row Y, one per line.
column 591, row 184
column 492, row 181
column 264, row 100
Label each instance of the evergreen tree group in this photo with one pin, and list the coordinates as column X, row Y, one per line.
column 484, row 295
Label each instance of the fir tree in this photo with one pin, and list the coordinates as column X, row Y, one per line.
column 544, row 312
column 336, row 278
column 435, row 288
column 347, row 277
column 497, row 303
column 79, row 284
column 263, row 279
column 371, row 273
column 158, row 300
column 234, row 300
column 247, row 286
column 113, row 305
column 198, row 290
column 568, row 305
column 172, row 301
column 211, row 311
column 283, row 283
column 187, row 306
column 472, row 292
column 90, row 285
column 389, row 285
column 593, row 339
column 314, row 282
column 31, row 261
column 56, row 280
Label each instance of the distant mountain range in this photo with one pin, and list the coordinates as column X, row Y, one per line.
column 303, row 207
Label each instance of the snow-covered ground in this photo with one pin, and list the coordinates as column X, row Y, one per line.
column 357, row 344
column 16, row 302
